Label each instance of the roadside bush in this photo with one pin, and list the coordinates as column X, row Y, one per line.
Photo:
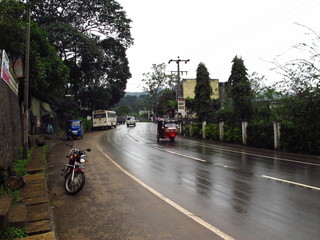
column 212, row 132
column 297, row 140
column 260, row 134
column 87, row 124
column 225, row 115
column 19, row 166
column 232, row 134
column 186, row 130
column 11, row 233
column 196, row 130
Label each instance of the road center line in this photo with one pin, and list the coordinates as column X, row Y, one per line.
column 290, row 182
column 170, row 202
column 181, row 155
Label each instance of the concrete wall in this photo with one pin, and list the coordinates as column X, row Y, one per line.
column 10, row 125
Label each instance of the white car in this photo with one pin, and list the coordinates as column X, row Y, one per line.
column 130, row 121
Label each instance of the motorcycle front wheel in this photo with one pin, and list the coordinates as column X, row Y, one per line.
column 73, row 187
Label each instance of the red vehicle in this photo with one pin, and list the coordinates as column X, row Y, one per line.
column 167, row 130
column 73, row 171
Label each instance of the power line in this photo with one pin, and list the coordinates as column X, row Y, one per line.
column 179, row 94
column 272, row 18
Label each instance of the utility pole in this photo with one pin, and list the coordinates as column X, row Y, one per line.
column 179, row 93
column 26, row 89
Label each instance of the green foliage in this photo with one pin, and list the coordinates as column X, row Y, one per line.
column 91, row 38
column 155, row 81
column 123, row 110
column 93, row 18
column 239, row 90
column 262, row 111
column 260, row 134
column 10, row 233
column 226, row 115
column 48, row 74
column 203, row 90
column 190, row 106
column 133, row 104
column 296, row 140
column 186, row 130
column 87, row 124
column 196, row 130
column 12, row 27
column 212, row 132
column 166, row 103
column 300, row 126
column 19, row 166
column 232, row 134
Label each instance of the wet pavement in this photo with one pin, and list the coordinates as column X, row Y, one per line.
column 138, row 188
column 247, row 193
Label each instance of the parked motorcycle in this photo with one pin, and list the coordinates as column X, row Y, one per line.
column 74, row 170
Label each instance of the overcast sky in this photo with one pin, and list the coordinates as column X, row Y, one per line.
column 214, row 32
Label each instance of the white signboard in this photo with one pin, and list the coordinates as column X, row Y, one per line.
column 182, row 106
column 5, row 74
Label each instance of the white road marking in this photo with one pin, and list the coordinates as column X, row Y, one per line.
column 235, row 151
column 171, row 203
column 262, row 156
column 290, row 182
column 181, row 155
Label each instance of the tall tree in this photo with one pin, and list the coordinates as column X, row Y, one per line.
column 91, row 37
column 203, row 91
column 167, row 103
column 48, row 74
column 239, row 90
column 156, row 81
column 95, row 18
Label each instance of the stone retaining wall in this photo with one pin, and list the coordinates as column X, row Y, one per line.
column 10, row 125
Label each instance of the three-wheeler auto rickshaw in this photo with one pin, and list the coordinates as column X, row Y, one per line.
column 74, row 129
column 167, row 130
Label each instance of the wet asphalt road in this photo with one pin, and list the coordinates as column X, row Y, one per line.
column 233, row 193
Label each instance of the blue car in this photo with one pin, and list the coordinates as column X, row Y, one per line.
column 74, row 129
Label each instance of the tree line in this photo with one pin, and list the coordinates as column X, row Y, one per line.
column 77, row 50
column 294, row 100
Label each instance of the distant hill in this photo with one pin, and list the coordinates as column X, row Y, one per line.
column 138, row 94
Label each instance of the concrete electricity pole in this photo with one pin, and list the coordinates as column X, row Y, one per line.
column 26, row 89
column 179, row 93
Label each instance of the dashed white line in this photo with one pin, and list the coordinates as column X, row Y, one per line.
column 171, row 203
column 290, row 182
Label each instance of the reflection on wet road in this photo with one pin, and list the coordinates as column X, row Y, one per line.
column 248, row 195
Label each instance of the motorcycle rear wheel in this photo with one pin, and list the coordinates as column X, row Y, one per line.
column 74, row 187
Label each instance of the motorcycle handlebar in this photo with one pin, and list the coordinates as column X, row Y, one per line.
column 72, row 146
